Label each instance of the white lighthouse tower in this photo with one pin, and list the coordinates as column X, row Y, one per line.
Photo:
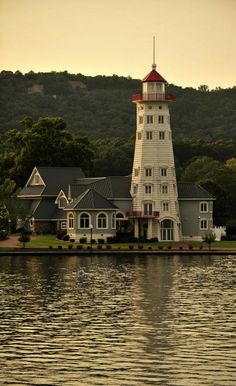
column 155, row 211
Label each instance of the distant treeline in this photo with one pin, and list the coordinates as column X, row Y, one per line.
column 101, row 107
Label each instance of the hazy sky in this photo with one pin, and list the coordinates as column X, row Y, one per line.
column 195, row 39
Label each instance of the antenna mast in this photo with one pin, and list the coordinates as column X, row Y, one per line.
column 153, row 51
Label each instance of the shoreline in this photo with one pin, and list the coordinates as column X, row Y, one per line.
column 85, row 252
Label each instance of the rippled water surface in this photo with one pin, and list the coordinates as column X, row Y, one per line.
column 130, row 320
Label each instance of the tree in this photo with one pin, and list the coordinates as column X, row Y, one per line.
column 24, row 237
column 209, row 239
column 46, row 142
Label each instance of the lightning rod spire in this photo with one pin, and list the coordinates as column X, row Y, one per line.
column 154, row 54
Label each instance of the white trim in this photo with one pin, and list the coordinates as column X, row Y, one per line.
column 33, row 172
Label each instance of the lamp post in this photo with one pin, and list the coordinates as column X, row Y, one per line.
column 91, row 237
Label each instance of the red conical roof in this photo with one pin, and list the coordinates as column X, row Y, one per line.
column 153, row 76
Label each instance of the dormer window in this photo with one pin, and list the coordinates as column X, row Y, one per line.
column 62, row 202
column 36, row 179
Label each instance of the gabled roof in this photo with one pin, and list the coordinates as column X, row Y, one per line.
column 154, row 76
column 54, row 178
column 191, row 191
column 109, row 187
column 90, row 199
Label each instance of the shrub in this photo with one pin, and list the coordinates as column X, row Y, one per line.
column 72, row 240
column 190, row 246
column 108, row 246
column 209, row 238
column 66, row 238
column 50, row 247
column 60, row 234
column 70, row 246
column 180, row 247
column 140, row 246
column 24, row 237
column 59, row 247
column 99, row 246
column 150, row 248
column 3, row 234
column 131, row 247
column 169, row 247
column 201, row 246
column 160, row 247
column 89, row 248
column 79, row 247
column 154, row 240
column 100, row 241
column 83, row 240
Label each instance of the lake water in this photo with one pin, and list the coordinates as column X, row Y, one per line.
column 130, row 320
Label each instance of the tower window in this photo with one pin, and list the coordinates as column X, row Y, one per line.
column 149, row 135
column 148, row 189
column 135, row 189
column 147, row 208
column 164, row 189
column 161, row 135
column 150, row 107
column 148, row 172
column 163, row 172
column 160, row 107
column 140, row 119
column 160, row 118
column 136, row 172
column 165, row 206
column 139, row 135
column 149, row 118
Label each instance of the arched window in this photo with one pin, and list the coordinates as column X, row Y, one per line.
column 84, row 220
column 113, row 221
column 71, row 221
column 167, row 230
column 102, row 221
column 203, row 224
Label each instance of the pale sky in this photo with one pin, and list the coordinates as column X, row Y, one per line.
column 195, row 39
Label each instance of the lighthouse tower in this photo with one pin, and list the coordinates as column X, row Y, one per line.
column 155, row 211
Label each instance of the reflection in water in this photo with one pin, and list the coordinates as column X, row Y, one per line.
column 128, row 321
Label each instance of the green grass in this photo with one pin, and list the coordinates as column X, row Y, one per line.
column 44, row 241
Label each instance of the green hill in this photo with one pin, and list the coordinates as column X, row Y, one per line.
column 101, row 107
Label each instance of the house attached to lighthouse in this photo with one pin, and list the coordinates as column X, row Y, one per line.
column 154, row 191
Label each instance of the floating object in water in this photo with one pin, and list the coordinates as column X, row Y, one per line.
column 81, row 273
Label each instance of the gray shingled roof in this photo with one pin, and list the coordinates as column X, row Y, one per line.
column 191, row 191
column 109, row 187
column 58, row 178
column 47, row 210
column 31, row 190
column 90, row 199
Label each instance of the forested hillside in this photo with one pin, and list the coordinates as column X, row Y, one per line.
column 100, row 106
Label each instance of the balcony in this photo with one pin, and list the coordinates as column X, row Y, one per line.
column 136, row 214
column 153, row 97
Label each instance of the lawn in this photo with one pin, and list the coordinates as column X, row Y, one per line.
column 45, row 241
